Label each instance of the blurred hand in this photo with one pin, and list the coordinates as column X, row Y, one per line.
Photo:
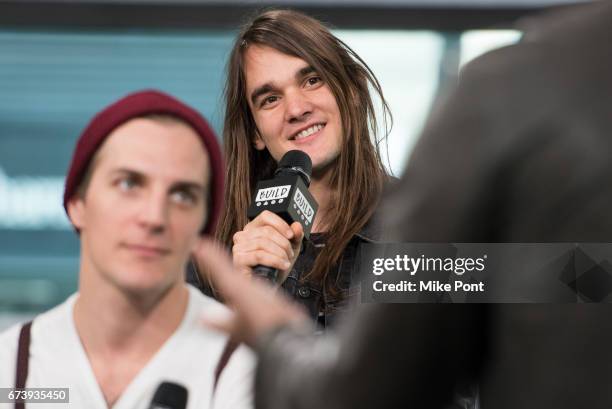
column 267, row 240
column 257, row 307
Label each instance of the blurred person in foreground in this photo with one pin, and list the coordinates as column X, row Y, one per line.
column 519, row 153
column 146, row 180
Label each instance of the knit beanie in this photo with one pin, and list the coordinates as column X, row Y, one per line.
column 136, row 105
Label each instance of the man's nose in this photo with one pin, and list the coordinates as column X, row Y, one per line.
column 298, row 106
column 153, row 214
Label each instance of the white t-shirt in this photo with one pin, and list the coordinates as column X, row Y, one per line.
column 189, row 357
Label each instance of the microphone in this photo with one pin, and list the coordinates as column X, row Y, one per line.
column 287, row 196
column 169, row 395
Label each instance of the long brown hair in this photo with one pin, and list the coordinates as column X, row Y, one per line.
column 357, row 178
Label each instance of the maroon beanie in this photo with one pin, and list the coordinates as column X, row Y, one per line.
column 139, row 104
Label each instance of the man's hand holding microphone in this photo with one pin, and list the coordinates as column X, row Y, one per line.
column 267, row 240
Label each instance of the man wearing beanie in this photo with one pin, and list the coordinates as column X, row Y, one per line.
column 146, row 180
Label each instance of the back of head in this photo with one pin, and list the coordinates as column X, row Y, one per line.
column 553, row 355
column 520, row 153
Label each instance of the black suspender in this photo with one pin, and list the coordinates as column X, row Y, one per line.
column 228, row 351
column 23, row 358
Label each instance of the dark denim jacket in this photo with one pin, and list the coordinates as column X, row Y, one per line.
column 322, row 306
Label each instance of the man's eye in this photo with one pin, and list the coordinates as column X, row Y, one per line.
column 313, row 81
column 269, row 100
column 127, row 184
column 183, row 197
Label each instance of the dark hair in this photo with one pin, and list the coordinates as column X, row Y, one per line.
column 359, row 172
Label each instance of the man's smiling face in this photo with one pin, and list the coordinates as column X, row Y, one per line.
column 293, row 108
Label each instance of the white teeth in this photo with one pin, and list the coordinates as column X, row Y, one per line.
column 309, row 131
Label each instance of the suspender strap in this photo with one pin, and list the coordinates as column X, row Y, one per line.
column 23, row 358
column 230, row 347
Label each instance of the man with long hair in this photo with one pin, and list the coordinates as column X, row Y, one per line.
column 291, row 84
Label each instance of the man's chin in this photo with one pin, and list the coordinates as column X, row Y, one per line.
column 145, row 286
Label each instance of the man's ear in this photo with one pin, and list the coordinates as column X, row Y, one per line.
column 258, row 142
column 76, row 211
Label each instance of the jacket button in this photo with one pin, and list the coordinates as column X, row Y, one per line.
column 304, row 292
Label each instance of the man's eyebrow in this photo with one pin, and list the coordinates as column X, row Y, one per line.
column 128, row 171
column 257, row 92
column 309, row 69
column 268, row 87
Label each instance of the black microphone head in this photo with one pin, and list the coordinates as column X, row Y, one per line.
column 297, row 161
column 169, row 395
